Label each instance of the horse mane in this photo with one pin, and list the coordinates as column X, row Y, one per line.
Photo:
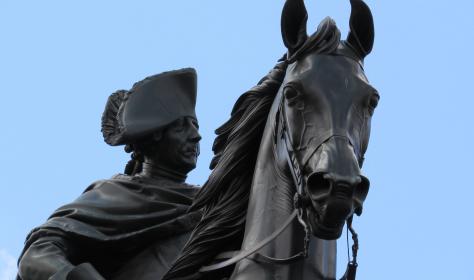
column 225, row 195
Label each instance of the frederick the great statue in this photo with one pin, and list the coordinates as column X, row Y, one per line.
column 286, row 177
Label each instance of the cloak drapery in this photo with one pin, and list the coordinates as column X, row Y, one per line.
column 110, row 223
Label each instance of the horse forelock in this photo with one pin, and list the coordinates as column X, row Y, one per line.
column 324, row 40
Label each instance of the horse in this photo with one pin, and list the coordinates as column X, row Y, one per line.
column 286, row 175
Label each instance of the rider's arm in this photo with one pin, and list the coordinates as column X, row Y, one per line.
column 50, row 258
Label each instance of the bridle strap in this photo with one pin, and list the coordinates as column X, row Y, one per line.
column 295, row 169
column 240, row 255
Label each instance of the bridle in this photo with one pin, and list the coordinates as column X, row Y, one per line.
column 301, row 200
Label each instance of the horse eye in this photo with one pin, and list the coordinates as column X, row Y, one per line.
column 373, row 102
column 290, row 93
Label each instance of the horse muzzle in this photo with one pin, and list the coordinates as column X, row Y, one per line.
column 335, row 187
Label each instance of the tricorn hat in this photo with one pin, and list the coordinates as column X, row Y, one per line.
column 150, row 105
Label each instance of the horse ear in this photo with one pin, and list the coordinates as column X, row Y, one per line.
column 293, row 25
column 361, row 34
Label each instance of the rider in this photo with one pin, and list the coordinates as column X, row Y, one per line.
column 115, row 219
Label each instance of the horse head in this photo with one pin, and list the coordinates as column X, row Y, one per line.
column 325, row 113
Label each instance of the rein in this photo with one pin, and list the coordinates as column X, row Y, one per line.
column 300, row 201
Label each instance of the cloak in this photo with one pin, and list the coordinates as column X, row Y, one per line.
column 110, row 223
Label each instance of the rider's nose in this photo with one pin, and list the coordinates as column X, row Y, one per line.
column 194, row 135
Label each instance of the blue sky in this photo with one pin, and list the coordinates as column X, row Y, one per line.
column 60, row 60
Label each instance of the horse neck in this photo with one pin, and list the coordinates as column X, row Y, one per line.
column 270, row 204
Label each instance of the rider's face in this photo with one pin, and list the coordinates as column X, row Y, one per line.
column 179, row 145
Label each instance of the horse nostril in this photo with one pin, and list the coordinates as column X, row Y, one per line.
column 319, row 186
column 360, row 194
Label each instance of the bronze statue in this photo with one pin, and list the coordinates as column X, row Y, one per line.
column 116, row 219
column 286, row 173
